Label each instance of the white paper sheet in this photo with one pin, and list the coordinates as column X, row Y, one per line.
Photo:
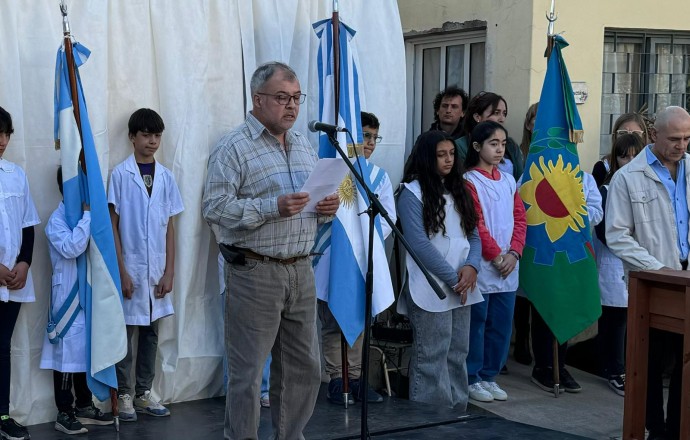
column 323, row 181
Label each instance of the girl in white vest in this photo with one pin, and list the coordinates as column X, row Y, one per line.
column 439, row 221
column 614, row 291
column 502, row 225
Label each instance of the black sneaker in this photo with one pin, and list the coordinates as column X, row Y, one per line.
column 372, row 396
column 568, row 382
column 91, row 415
column 67, row 422
column 504, row 370
column 11, row 430
column 543, row 378
column 617, row 384
column 335, row 392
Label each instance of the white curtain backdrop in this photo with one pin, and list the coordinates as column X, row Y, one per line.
column 190, row 61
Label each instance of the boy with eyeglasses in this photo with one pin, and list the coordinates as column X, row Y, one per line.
column 330, row 331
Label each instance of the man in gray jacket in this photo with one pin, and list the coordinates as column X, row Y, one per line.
column 647, row 227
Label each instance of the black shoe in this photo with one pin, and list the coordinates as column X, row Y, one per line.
column 11, row 430
column 335, row 392
column 617, row 384
column 372, row 396
column 67, row 422
column 568, row 382
column 91, row 415
column 504, row 370
column 543, row 378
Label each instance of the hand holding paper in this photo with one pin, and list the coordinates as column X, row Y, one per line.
column 322, row 182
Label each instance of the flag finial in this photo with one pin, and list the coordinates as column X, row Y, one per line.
column 65, row 21
column 335, row 5
column 552, row 17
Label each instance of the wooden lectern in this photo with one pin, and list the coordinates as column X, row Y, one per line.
column 657, row 299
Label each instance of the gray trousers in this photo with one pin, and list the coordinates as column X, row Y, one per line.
column 147, row 348
column 438, row 373
column 330, row 346
column 271, row 308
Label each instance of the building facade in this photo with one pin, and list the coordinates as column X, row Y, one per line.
column 623, row 56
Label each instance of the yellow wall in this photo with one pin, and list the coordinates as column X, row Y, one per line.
column 508, row 27
column 516, row 38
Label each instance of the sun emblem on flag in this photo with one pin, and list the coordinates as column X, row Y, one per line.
column 347, row 191
column 556, row 198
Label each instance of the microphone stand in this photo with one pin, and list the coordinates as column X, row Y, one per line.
column 375, row 208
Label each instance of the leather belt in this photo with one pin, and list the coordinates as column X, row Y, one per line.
column 254, row 256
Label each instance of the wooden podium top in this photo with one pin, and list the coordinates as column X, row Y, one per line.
column 678, row 277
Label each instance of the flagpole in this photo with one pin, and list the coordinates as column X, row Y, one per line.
column 336, row 59
column 552, row 17
column 74, row 93
column 67, row 37
column 345, row 370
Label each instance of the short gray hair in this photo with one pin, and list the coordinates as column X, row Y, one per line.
column 265, row 71
column 664, row 116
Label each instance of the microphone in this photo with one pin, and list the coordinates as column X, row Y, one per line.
column 316, row 126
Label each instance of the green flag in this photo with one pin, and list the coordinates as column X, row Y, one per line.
column 558, row 271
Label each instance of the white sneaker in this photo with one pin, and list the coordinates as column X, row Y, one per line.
column 126, row 408
column 478, row 393
column 495, row 390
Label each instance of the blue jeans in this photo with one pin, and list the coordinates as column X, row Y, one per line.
column 266, row 377
column 437, row 368
column 490, row 329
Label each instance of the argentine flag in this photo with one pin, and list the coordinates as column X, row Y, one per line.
column 98, row 278
column 341, row 268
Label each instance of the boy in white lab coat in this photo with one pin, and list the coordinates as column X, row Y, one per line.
column 17, row 219
column 66, row 354
column 143, row 197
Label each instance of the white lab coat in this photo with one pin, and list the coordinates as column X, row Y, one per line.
column 143, row 227
column 65, row 245
column 17, row 211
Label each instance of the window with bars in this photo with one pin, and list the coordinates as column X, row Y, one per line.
column 438, row 61
column 642, row 70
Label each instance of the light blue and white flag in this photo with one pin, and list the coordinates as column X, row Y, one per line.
column 100, row 294
column 343, row 244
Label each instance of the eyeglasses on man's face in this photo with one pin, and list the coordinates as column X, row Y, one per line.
column 623, row 131
column 371, row 136
column 284, row 98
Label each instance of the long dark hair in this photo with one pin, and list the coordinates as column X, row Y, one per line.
column 422, row 166
column 480, row 133
column 478, row 105
column 623, row 145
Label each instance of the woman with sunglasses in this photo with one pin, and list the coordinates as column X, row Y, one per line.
column 627, row 123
